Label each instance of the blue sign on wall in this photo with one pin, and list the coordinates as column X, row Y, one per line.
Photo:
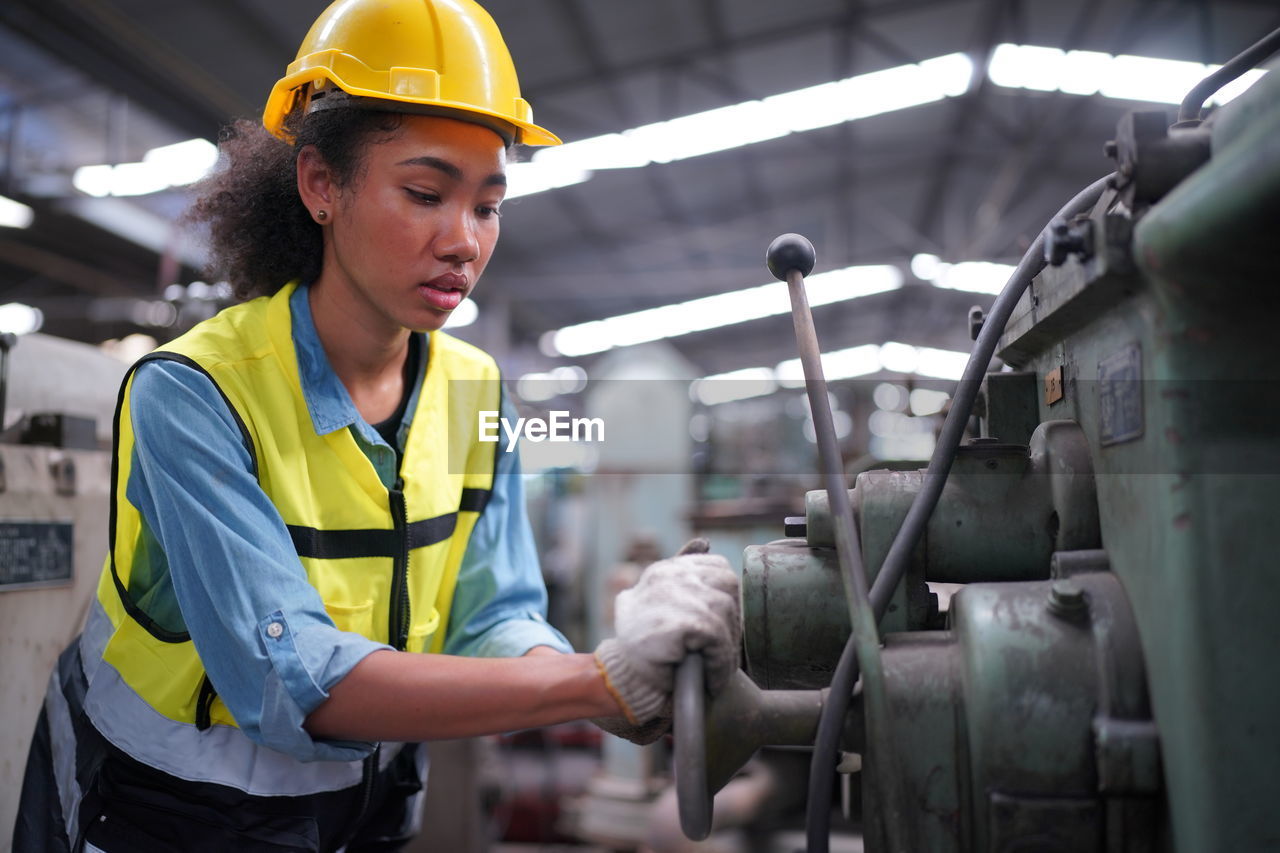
column 35, row 553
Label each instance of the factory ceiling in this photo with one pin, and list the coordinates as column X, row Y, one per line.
column 971, row 175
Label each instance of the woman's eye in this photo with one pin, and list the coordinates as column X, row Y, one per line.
column 488, row 212
column 424, row 198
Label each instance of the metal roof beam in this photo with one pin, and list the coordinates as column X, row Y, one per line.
column 117, row 55
column 963, row 111
column 772, row 36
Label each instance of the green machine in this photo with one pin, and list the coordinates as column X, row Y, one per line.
column 1108, row 677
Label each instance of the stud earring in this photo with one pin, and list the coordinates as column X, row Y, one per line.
column 322, row 215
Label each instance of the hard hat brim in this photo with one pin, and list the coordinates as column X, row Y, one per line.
column 285, row 93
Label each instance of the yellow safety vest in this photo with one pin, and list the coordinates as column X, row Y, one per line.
column 385, row 561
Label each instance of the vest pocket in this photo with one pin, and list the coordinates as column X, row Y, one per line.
column 356, row 618
column 420, row 634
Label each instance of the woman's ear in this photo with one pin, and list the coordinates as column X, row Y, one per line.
column 316, row 185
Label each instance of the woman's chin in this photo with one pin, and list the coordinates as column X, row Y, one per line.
column 426, row 321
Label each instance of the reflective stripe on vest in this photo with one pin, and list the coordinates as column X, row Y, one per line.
column 384, row 561
column 222, row 755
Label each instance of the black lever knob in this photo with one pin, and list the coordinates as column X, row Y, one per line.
column 790, row 252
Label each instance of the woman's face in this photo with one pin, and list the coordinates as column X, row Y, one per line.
column 412, row 232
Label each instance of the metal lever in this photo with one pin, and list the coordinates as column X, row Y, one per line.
column 790, row 258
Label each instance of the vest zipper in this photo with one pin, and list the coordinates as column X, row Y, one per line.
column 398, row 619
column 204, row 703
column 367, row 773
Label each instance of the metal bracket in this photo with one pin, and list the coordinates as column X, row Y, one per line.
column 1128, row 755
column 63, row 470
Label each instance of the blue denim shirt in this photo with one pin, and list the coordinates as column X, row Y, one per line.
column 218, row 559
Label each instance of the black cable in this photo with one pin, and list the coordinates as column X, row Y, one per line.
column 1237, row 65
column 827, row 742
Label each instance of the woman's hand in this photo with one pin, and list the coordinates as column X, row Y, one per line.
column 688, row 603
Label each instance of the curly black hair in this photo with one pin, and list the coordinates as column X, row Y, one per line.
column 261, row 236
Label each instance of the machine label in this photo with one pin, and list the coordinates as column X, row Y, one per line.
column 35, row 553
column 1120, row 396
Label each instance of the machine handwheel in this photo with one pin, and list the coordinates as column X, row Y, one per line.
column 690, row 728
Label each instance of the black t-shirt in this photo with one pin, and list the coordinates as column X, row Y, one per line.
column 388, row 428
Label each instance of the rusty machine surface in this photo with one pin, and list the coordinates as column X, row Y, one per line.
column 1105, row 680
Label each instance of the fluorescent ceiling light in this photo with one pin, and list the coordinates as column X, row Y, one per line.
column 703, row 133
column 19, row 319
column 940, row 363
column 183, row 162
column 755, row 121
column 923, row 361
column 898, row 358
column 94, row 180
column 539, row 387
column 611, row 151
column 838, row 364
column 15, row 214
column 926, row 401
column 734, row 385
column 536, row 176
column 137, row 179
column 161, row 168
column 724, row 309
column 973, row 276
column 1077, row 72
column 1085, row 72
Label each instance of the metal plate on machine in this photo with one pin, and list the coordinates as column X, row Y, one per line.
column 1054, row 387
column 1120, row 396
column 35, row 553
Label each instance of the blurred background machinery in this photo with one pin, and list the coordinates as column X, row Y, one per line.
column 1100, row 676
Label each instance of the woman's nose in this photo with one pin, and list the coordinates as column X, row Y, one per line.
column 457, row 240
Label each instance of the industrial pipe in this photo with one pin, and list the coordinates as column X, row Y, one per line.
column 1237, row 65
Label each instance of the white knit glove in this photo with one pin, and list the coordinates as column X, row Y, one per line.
column 688, row 603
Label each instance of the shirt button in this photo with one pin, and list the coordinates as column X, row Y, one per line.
column 274, row 630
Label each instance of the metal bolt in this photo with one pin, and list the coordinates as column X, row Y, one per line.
column 1063, row 239
column 976, row 318
column 1067, row 600
column 795, row 527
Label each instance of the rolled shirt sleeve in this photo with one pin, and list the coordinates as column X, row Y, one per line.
column 500, row 603
column 259, row 626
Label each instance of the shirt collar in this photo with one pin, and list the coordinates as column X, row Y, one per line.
column 328, row 402
column 327, row 399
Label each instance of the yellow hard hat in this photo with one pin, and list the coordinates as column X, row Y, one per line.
column 440, row 57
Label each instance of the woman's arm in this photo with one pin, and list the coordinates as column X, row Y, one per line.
column 410, row 697
column 312, row 691
column 683, row 604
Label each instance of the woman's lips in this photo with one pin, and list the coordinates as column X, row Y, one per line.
column 444, row 292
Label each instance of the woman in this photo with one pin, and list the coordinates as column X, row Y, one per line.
column 302, row 505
